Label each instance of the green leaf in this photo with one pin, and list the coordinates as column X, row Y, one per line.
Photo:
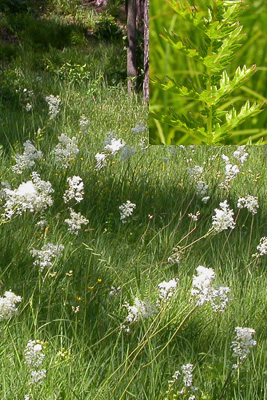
column 215, row 95
column 260, row 142
column 233, row 119
column 191, row 124
column 188, row 12
column 175, row 41
column 172, row 86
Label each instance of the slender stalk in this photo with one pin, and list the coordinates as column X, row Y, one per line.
column 209, row 87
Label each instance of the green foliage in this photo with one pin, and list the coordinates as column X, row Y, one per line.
column 65, row 7
column 107, row 28
column 222, row 34
column 71, row 72
column 15, row 6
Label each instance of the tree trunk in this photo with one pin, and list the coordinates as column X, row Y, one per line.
column 146, row 52
column 140, row 4
column 131, row 50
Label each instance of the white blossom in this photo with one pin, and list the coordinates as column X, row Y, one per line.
column 54, row 105
column 27, row 159
column 75, row 222
column 194, row 217
column 249, row 202
column 243, row 342
column 75, row 191
column 33, row 353
column 101, row 160
column 114, row 145
column 204, row 292
column 66, row 150
column 126, row 210
column 114, row 291
column 201, row 189
column 8, row 305
column 205, row 199
column 28, row 107
column 139, row 128
column 231, row 171
column 195, row 172
column 187, row 375
column 37, row 376
column 240, row 154
column 46, row 256
column 127, row 152
column 140, row 310
column 223, row 218
column 30, row 196
column 262, row 247
column 167, row 290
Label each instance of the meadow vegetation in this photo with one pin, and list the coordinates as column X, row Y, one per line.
column 127, row 271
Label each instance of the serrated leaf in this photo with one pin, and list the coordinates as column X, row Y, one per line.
column 172, row 86
column 260, row 142
column 233, row 119
column 175, row 41
column 215, row 95
column 179, row 121
column 188, row 12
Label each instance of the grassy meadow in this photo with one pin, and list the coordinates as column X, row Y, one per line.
column 166, row 61
column 100, row 327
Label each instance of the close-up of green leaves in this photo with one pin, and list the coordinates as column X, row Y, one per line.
column 208, row 72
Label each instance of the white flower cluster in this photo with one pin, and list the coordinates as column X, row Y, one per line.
column 8, row 305
column 167, row 290
column 33, row 353
column 223, row 219
column 101, row 160
column 34, row 358
column 66, row 150
column 127, row 152
column 46, row 256
column 75, row 191
column 139, row 128
column 114, row 145
column 249, row 202
column 204, row 292
column 231, row 171
column 28, row 107
column 27, row 159
column 54, row 105
column 75, row 222
column 195, row 174
column 114, row 291
column 262, row 248
column 240, row 154
column 32, row 195
column 140, row 310
column 189, row 388
column 187, row 375
column 201, row 191
column 194, row 217
column 126, row 210
column 243, row 342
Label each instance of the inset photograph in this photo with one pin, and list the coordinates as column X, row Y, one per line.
column 208, row 72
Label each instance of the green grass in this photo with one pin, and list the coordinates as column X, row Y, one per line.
column 165, row 61
column 100, row 360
